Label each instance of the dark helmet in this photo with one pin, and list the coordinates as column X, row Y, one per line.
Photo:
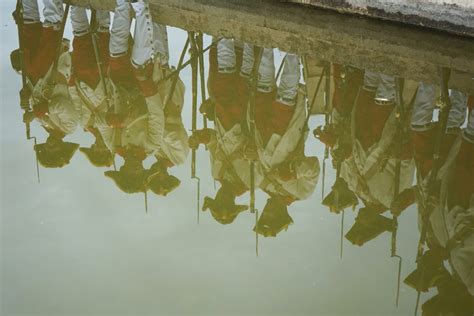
column 453, row 298
column 131, row 178
column 274, row 218
column 429, row 272
column 98, row 155
column 55, row 153
column 160, row 181
column 223, row 207
column 340, row 197
column 369, row 224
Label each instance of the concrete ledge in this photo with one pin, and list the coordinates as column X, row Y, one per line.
column 409, row 52
column 455, row 16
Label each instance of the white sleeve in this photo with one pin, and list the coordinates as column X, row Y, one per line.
column 156, row 121
column 63, row 114
column 175, row 141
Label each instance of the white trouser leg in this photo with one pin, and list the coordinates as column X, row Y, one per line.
column 423, row 107
column 79, row 21
column 144, row 48
column 247, row 60
column 386, row 88
column 103, row 20
column 290, row 79
column 266, row 71
column 31, row 11
column 458, row 112
column 53, row 12
column 120, row 32
column 160, row 42
column 371, row 80
column 226, row 55
column 382, row 84
column 469, row 131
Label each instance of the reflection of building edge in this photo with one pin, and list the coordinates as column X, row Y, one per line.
column 405, row 52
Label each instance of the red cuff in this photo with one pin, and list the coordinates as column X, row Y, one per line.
column 148, row 87
column 40, row 109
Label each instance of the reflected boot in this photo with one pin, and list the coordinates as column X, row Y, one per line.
column 121, row 70
column 369, row 225
column 274, row 218
column 281, row 117
column 103, row 43
column 448, row 141
column 46, row 53
column 380, row 115
column 363, row 118
column 429, row 271
column 340, row 197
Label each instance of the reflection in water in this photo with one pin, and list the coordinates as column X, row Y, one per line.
column 387, row 150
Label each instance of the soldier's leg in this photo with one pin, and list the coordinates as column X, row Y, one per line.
column 144, row 48
column 103, row 32
column 423, row 131
column 290, row 78
column 50, row 38
column 247, row 60
column 103, row 19
column 79, row 21
column 423, row 107
column 120, row 69
column 458, row 111
column 283, row 107
column 31, row 11
column 469, row 130
column 53, row 13
column 226, row 56
column 266, row 71
column 363, row 109
column 160, row 42
column 120, row 32
column 31, row 31
column 383, row 105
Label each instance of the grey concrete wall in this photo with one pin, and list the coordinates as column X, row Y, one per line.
column 408, row 52
column 455, row 16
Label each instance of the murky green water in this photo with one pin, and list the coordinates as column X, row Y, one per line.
column 148, row 225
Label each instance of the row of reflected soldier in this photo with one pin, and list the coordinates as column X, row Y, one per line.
column 387, row 150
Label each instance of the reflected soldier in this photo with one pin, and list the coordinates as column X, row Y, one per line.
column 280, row 115
column 227, row 141
column 336, row 135
column 145, row 119
column 47, row 75
column 369, row 169
column 87, row 90
column 446, row 204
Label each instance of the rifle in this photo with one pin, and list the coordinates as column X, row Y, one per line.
column 94, row 36
column 401, row 133
column 258, row 52
column 444, row 106
column 200, row 47
column 327, row 102
column 194, row 74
